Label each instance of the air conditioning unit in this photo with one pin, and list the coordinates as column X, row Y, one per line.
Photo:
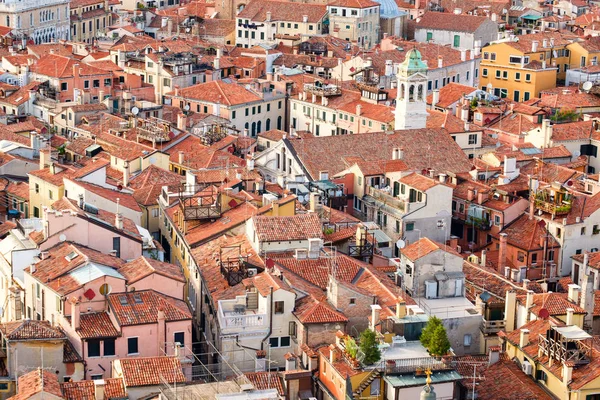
column 527, row 368
column 252, row 272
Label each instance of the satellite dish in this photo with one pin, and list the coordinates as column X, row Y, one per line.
column 187, row 107
column 587, row 85
column 576, row 153
column 544, row 313
column 62, row 237
column 400, row 244
column 270, row 263
column 569, row 183
column 135, row 111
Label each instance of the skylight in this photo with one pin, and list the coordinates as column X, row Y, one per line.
column 71, row 256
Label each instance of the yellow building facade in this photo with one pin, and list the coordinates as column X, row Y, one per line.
column 520, row 70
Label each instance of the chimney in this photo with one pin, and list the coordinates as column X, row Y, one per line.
column 44, row 158
column 161, row 329
column 400, row 308
column 574, row 293
column 52, row 168
column 587, row 298
column 510, row 306
column 534, row 46
column 181, row 158
column 435, row 98
column 440, row 62
column 305, row 19
column 528, row 304
column 332, row 353
column 290, row 362
column 547, row 132
column 74, row 313
column 268, row 19
column 442, row 177
column 118, row 218
column 524, row 338
column 75, row 70
column 126, row 175
column 502, row 252
column 260, row 363
column 545, row 43
column 375, row 310
column 567, row 372
column 570, row 313
column 494, row 355
column 463, row 55
column 483, row 258
column 389, row 68
column 99, row 386
column 181, row 122
column 470, row 193
column 358, row 109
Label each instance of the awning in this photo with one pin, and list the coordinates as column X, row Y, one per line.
column 532, row 17
column 572, row 332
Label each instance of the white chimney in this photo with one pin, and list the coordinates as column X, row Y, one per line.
column 375, row 310
column 440, row 62
column 389, row 68
column 435, row 98
column 534, row 46
column 524, row 338
column 99, row 385
column 570, row 313
column 574, row 293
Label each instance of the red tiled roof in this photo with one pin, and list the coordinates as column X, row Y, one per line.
column 256, row 10
column 70, row 355
column 311, row 311
column 266, row 380
column 142, row 267
column 85, row 390
column 423, row 247
column 148, row 184
column 280, row 229
column 38, row 381
column 147, row 371
column 556, row 304
column 141, row 307
column 419, row 182
column 96, row 325
column 57, row 66
column 218, row 91
column 527, row 234
column 354, row 3
column 30, row 330
column 450, row 94
column 450, row 22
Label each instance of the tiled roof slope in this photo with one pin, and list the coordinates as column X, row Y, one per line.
column 141, row 307
column 30, row 330
column 296, row 227
column 148, row 371
column 256, row 11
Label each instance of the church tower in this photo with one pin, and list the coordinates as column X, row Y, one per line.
column 411, row 101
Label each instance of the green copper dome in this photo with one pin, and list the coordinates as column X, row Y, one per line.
column 412, row 63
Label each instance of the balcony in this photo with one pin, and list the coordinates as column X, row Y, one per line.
column 492, row 327
column 553, row 200
column 482, row 224
column 197, row 203
column 234, row 317
column 322, row 90
column 388, row 199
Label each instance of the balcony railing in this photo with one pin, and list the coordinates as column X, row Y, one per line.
column 232, row 321
column 416, row 364
column 480, row 223
column 388, row 199
column 325, row 90
column 490, row 327
column 551, row 208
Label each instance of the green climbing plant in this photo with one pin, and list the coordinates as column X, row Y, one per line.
column 369, row 347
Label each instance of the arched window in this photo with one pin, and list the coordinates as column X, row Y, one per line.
column 411, row 93
column 253, row 129
column 279, row 122
column 258, row 127
column 420, row 92
column 268, row 124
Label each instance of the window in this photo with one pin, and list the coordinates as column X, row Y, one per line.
column 96, row 377
column 498, row 74
column 558, row 233
column 533, row 258
column 514, row 59
column 93, row 348
column 292, row 328
column 117, row 246
column 410, row 226
column 132, row 345
column 497, row 220
column 517, row 76
column 504, row 74
column 179, row 337
column 583, row 231
column 109, row 347
column 484, row 72
column 473, row 138
column 86, row 84
column 493, row 56
column 283, row 341
column 456, row 40
column 486, row 56
column 467, row 340
column 63, row 86
column 527, row 77
column 279, row 307
column 37, row 188
column 595, row 230
column 352, row 300
column 430, row 36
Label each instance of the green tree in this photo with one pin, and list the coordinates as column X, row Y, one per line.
column 368, row 345
column 439, row 343
column 428, row 330
column 351, row 346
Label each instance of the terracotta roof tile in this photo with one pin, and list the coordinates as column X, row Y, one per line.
column 311, row 311
column 30, row 330
column 218, row 91
column 141, row 307
column 555, row 303
column 148, row 184
column 146, row 371
column 256, row 10
column 423, row 247
column 142, row 267
column 450, row 22
column 450, row 94
column 280, row 229
column 38, row 381
column 527, row 234
column 70, row 355
column 96, row 325
column 85, row 390
column 266, row 380
column 419, row 182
